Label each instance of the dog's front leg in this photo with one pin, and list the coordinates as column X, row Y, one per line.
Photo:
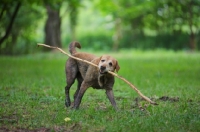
column 110, row 95
column 83, row 88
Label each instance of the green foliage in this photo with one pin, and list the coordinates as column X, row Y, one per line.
column 24, row 35
column 164, row 41
column 32, row 94
column 93, row 42
column 161, row 17
column 96, row 41
column 104, row 41
column 170, row 24
column 73, row 6
column 27, row 27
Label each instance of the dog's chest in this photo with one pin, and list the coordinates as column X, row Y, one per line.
column 103, row 82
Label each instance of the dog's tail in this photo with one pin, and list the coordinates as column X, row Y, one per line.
column 72, row 47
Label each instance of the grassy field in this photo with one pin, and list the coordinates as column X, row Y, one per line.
column 32, row 94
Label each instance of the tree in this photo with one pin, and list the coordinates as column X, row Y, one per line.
column 163, row 17
column 179, row 14
column 73, row 6
column 24, row 34
column 6, row 11
column 52, row 26
column 113, row 7
column 190, row 13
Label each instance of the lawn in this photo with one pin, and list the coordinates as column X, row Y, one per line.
column 32, row 94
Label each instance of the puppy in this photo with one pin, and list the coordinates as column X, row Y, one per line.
column 88, row 75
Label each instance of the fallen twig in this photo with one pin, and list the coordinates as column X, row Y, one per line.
column 114, row 74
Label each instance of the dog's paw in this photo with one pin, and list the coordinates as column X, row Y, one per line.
column 74, row 108
column 67, row 103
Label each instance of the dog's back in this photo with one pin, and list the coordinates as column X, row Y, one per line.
column 82, row 66
column 81, row 55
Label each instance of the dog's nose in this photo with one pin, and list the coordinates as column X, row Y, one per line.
column 103, row 67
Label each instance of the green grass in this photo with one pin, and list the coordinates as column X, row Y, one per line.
column 32, row 94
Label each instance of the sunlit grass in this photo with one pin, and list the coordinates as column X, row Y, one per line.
column 32, row 94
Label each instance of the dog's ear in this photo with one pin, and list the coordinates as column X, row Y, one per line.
column 117, row 67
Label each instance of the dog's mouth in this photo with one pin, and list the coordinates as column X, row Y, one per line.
column 103, row 72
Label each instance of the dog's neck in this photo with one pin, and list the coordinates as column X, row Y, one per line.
column 102, row 79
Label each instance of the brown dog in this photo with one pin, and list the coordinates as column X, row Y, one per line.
column 88, row 75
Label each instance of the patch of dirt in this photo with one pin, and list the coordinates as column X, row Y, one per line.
column 171, row 99
column 163, row 98
column 8, row 119
column 3, row 129
column 75, row 127
column 141, row 104
column 72, row 128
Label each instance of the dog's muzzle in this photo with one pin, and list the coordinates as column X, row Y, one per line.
column 102, row 70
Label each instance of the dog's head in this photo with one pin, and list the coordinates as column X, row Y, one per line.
column 107, row 63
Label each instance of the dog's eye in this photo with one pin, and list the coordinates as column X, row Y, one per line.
column 102, row 60
column 110, row 64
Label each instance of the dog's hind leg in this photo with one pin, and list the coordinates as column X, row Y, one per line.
column 71, row 73
column 80, row 80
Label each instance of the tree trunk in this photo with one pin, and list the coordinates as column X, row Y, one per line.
column 73, row 32
column 52, row 28
column 192, row 43
column 117, row 36
column 73, row 14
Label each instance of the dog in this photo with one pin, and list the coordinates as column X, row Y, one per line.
column 88, row 75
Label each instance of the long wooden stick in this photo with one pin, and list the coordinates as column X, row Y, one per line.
column 114, row 74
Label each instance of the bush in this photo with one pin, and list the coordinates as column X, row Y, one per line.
column 166, row 41
column 103, row 41
column 93, row 41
